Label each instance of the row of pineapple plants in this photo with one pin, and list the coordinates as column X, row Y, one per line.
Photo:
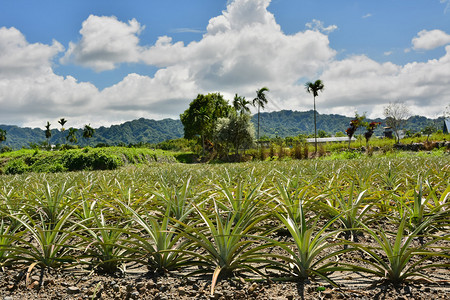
column 275, row 220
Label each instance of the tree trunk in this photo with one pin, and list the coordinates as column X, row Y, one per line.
column 315, row 126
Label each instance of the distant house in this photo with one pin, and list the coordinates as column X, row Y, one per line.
column 446, row 128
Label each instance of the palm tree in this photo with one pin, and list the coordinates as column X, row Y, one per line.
column 240, row 105
column 88, row 131
column 71, row 137
column 260, row 100
column 62, row 121
column 2, row 135
column 314, row 88
column 48, row 133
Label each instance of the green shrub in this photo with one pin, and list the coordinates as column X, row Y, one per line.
column 90, row 160
column 16, row 166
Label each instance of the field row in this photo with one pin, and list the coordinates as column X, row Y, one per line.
column 278, row 220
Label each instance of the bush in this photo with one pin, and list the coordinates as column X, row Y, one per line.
column 5, row 149
column 16, row 166
column 90, row 160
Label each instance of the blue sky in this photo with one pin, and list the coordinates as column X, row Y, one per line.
column 106, row 62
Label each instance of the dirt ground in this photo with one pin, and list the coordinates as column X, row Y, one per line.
column 72, row 284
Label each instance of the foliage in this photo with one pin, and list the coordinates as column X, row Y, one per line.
column 62, row 121
column 21, row 161
column 260, row 101
column 71, row 136
column 17, row 166
column 146, row 133
column 48, row 132
column 399, row 261
column 202, row 115
column 429, row 130
column 2, row 135
column 236, row 132
column 315, row 88
column 370, row 127
column 240, row 105
column 354, row 125
column 88, row 132
column 247, row 219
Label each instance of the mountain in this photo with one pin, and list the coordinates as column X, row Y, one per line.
column 280, row 123
column 136, row 131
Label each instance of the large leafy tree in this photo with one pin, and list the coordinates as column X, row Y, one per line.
column 260, row 101
column 314, row 88
column 396, row 113
column 201, row 117
column 236, row 132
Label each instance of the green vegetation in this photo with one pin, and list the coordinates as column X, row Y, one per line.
column 27, row 160
column 297, row 220
column 284, row 123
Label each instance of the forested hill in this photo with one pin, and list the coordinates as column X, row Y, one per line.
column 291, row 123
column 132, row 132
column 281, row 123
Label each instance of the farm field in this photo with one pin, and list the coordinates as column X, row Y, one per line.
column 337, row 229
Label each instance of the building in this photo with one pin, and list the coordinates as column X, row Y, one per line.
column 446, row 128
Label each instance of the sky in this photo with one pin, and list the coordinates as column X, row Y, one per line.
column 105, row 62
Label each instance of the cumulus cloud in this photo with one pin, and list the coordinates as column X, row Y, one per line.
column 318, row 25
column 29, row 89
column 105, row 42
column 430, row 39
column 241, row 50
column 19, row 58
column 367, row 85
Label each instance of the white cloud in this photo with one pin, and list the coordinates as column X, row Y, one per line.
column 387, row 53
column 430, row 39
column 318, row 26
column 105, row 42
column 19, row 58
column 367, row 16
column 367, row 85
column 242, row 50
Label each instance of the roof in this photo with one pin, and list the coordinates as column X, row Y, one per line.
column 446, row 126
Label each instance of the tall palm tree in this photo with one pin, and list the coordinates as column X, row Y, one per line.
column 260, row 100
column 62, row 121
column 2, row 135
column 315, row 88
column 71, row 137
column 88, row 131
column 240, row 105
column 48, row 133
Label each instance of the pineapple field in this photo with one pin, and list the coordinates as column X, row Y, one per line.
column 374, row 227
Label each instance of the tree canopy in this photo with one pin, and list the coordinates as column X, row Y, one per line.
column 201, row 116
